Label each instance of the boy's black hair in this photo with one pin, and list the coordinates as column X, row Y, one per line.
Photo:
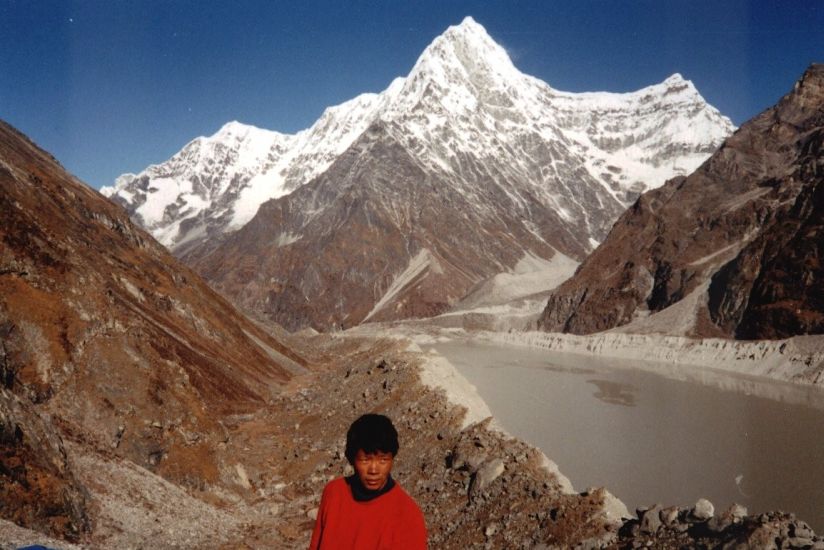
column 371, row 433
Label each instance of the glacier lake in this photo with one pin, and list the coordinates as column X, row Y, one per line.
column 656, row 433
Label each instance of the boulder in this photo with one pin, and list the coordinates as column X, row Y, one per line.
column 651, row 519
column 669, row 516
column 703, row 510
column 485, row 475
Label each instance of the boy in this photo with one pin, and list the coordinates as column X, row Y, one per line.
column 369, row 510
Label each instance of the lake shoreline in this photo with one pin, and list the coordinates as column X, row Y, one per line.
column 798, row 360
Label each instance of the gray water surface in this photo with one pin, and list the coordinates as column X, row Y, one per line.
column 650, row 438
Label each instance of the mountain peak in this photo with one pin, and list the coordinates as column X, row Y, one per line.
column 470, row 26
column 808, row 92
column 676, row 88
column 469, row 45
column 240, row 131
column 469, row 21
column 233, row 127
column 814, row 73
column 675, row 78
column 678, row 82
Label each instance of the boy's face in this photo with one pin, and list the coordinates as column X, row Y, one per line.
column 373, row 468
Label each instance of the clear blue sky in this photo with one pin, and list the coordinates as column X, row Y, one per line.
column 111, row 86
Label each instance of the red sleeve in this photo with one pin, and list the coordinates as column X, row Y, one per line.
column 317, row 534
column 415, row 527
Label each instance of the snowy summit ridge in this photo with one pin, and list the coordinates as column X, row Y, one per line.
column 463, row 99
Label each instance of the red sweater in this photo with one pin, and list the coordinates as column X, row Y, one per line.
column 390, row 521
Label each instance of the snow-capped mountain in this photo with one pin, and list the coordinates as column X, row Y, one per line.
column 216, row 184
column 464, row 96
column 463, row 168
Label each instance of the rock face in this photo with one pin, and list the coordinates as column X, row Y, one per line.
column 38, row 489
column 732, row 250
column 102, row 329
column 397, row 204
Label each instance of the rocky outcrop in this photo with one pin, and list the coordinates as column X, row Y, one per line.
column 732, row 250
